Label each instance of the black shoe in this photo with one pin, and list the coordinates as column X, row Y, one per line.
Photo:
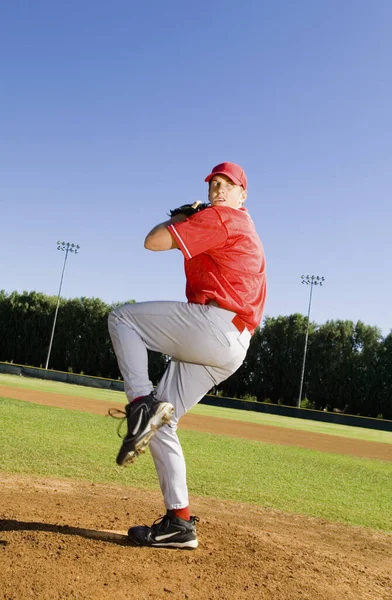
column 144, row 417
column 166, row 532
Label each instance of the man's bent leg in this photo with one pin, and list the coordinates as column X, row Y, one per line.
column 166, row 327
column 189, row 332
column 192, row 333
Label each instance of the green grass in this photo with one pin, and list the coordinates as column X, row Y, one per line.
column 360, row 433
column 55, row 442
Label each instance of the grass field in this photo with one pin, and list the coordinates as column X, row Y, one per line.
column 62, row 443
column 360, row 433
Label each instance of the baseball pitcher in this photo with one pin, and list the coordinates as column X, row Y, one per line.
column 207, row 338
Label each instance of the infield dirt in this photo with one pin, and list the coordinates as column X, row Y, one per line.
column 63, row 539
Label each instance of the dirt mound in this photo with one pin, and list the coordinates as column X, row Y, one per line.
column 66, row 539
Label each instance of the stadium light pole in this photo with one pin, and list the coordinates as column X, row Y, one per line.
column 65, row 247
column 308, row 280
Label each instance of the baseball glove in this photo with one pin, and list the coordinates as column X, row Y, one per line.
column 188, row 209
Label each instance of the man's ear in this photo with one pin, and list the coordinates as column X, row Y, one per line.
column 244, row 195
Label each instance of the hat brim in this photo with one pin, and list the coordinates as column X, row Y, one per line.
column 228, row 174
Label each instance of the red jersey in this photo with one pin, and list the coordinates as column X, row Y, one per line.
column 224, row 261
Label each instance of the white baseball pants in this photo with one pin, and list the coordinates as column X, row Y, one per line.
column 205, row 349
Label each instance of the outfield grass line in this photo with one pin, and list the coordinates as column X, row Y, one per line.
column 68, row 389
column 58, row 387
column 348, row 431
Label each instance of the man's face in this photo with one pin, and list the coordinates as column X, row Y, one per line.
column 223, row 192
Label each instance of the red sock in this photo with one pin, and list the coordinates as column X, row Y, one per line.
column 181, row 513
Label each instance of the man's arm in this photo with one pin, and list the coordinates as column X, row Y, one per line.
column 160, row 238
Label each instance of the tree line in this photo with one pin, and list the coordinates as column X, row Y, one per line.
column 348, row 365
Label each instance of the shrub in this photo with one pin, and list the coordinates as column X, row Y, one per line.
column 306, row 403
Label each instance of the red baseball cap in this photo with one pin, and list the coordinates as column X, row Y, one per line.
column 231, row 170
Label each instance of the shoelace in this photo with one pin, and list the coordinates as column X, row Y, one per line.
column 159, row 522
column 116, row 413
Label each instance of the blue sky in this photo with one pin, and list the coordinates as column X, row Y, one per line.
column 113, row 112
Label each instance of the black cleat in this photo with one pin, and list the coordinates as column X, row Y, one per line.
column 144, row 417
column 166, row 532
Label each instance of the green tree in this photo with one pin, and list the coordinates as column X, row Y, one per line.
column 366, row 381
column 281, row 354
column 24, row 326
column 343, row 367
column 384, row 389
column 330, row 365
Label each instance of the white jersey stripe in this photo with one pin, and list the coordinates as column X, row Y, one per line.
column 181, row 240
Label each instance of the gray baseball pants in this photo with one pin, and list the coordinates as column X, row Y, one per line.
column 205, row 348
